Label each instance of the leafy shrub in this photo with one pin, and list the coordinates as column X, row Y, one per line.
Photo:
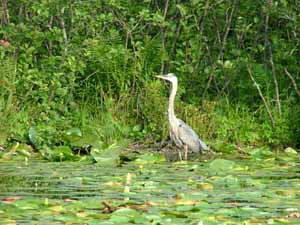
column 91, row 64
column 200, row 118
column 153, row 104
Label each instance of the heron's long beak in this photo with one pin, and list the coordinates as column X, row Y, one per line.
column 161, row 77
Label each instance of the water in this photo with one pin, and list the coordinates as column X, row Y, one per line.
column 248, row 190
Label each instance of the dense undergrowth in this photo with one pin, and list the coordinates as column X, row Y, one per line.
column 83, row 73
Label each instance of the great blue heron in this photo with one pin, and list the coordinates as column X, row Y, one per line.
column 181, row 134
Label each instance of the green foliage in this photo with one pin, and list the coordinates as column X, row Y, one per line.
column 200, row 117
column 235, row 124
column 91, row 64
column 153, row 105
column 105, row 124
column 293, row 122
column 8, row 92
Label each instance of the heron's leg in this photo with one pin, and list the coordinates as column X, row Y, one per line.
column 179, row 154
column 185, row 152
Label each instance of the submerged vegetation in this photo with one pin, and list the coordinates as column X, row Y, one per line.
column 70, row 71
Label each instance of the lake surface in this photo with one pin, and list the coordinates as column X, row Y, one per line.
column 149, row 190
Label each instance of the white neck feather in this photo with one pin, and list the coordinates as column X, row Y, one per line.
column 171, row 113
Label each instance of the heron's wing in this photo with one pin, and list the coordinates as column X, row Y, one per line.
column 189, row 137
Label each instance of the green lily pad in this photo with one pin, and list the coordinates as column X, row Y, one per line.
column 60, row 153
column 25, row 150
column 290, row 150
column 33, row 136
column 74, row 132
column 123, row 215
column 109, row 155
column 150, row 158
column 261, row 153
column 220, row 166
column 227, row 182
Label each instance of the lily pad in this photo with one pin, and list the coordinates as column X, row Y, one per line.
column 220, row 166
column 33, row 136
column 60, row 153
column 261, row 153
column 106, row 156
column 290, row 150
column 150, row 158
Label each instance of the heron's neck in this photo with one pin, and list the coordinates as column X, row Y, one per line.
column 171, row 112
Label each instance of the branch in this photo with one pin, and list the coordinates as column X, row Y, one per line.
column 229, row 20
column 293, row 81
column 262, row 97
column 49, row 42
column 200, row 29
column 163, row 37
column 177, row 35
column 275, row 82
column 62, row 24
column 5, row 13
column 166, row 9
column 269, row 49
column 222, row 42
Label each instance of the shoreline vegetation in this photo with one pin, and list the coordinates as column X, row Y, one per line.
column 78, row 78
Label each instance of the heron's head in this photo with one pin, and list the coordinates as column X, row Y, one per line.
column 169, row 77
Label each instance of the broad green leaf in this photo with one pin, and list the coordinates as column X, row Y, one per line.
column 150, row 158
column 32, row 134
column 76, row 132
column 108, row 156
column 221, row 166
column 290, row 150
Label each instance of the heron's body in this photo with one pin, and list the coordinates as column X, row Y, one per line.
column 180, row 133
column 187, row 136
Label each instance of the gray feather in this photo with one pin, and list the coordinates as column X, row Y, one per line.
column 189, row 137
